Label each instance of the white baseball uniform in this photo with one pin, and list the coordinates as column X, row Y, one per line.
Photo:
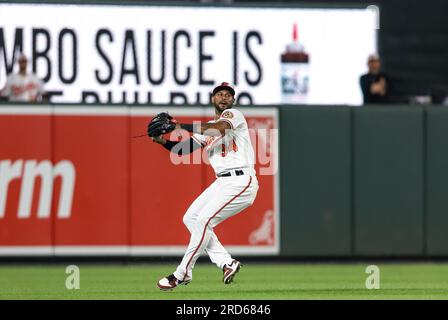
column 228, row 195
column 24, row 88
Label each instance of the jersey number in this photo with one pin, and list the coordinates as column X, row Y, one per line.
column 224, row 150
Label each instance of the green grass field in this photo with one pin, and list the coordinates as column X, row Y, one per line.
column 255, row 281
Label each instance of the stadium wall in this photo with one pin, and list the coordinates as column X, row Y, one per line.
column 364, row 182
column 352, row 182
column 75, row 180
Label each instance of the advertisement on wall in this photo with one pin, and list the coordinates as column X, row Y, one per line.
column 154, row 54
column 76, row 182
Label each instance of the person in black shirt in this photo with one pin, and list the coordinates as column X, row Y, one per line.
column 374, row 84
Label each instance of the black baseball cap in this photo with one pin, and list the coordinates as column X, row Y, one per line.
column 224, row 86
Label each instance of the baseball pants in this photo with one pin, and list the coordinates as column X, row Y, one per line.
column 224, row 198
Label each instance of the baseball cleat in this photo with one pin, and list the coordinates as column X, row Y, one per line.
column 230, row 270
column 170, row 282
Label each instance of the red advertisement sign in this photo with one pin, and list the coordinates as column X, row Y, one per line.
column 74, row 181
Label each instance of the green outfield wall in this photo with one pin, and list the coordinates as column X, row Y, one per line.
column 364, row 181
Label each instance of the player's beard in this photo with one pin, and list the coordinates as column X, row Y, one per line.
column 222, row 106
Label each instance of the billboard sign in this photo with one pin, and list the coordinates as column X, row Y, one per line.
column 176, row 55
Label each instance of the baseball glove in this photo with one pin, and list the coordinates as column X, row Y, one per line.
column 161, row 124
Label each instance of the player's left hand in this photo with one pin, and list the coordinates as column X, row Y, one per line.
column 161, row 124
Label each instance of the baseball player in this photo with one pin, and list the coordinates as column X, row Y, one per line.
column 23, row 86
column 227, row 142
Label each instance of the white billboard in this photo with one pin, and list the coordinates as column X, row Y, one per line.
column 168, row 54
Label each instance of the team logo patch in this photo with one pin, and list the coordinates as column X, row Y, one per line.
column 227, row 114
